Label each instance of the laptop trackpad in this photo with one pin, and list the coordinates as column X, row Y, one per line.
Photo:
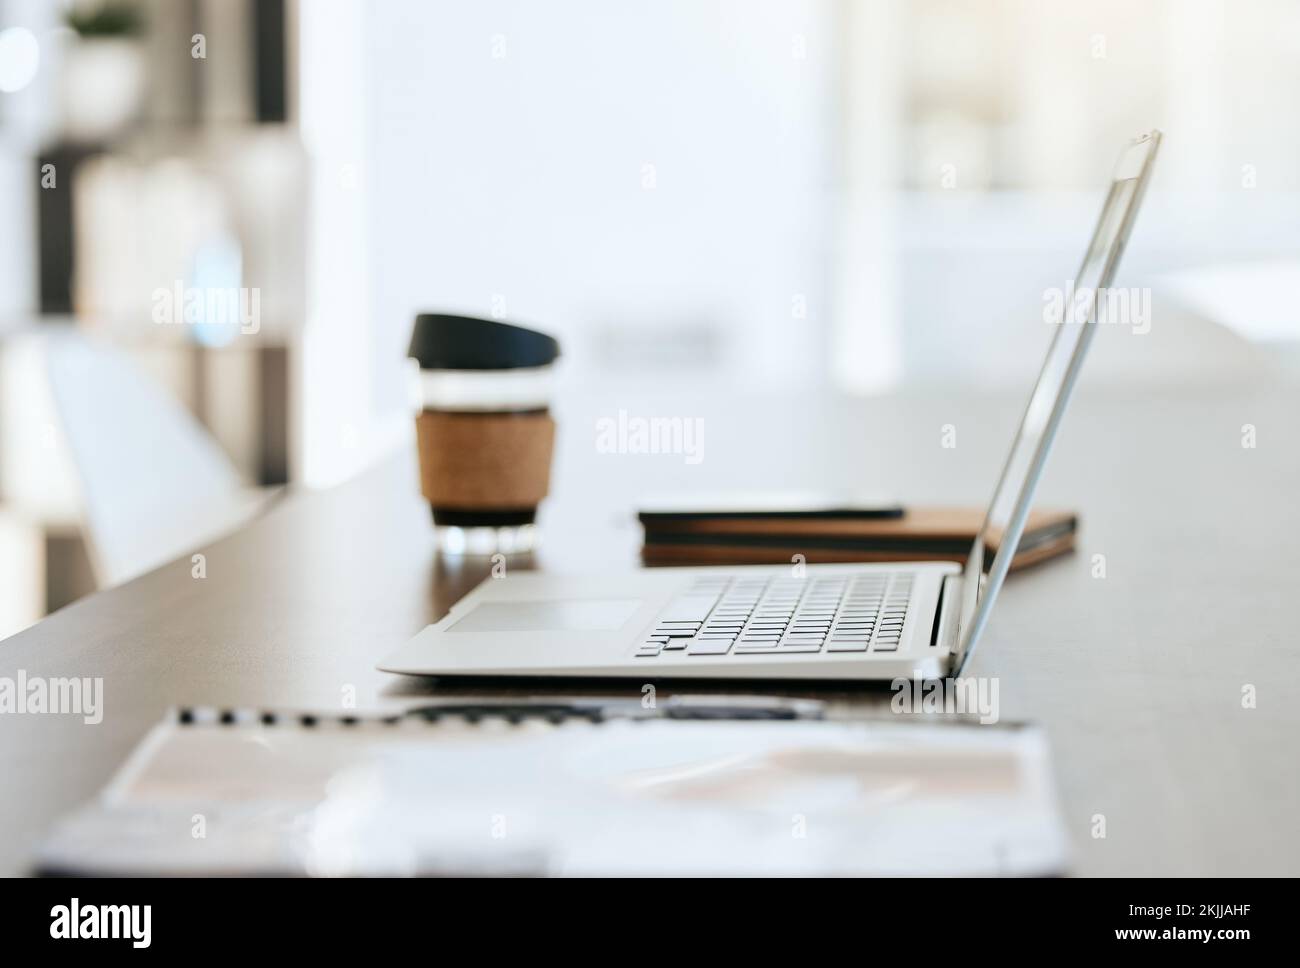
column 598, row 615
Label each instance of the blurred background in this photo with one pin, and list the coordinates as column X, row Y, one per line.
column 221, row 216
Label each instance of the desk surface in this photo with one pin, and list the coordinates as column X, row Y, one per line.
column 1138, row 675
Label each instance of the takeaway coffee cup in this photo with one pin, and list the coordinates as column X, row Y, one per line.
column 484, row 430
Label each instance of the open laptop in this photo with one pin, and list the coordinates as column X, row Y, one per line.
column 877, row 621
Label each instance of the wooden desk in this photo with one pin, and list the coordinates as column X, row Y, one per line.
column 1138, row 676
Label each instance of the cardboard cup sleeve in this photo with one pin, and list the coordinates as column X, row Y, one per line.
column 485, row 461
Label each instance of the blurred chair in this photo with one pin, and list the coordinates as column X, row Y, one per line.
column 153, row 484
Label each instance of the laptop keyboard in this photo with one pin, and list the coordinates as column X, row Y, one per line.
column 776, row 615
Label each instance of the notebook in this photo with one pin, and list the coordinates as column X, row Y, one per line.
column 918, row 534
column 570, row 790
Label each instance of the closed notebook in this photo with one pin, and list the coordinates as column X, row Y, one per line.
column 919, row 534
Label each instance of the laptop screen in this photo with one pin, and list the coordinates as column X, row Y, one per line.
column 1089, row 301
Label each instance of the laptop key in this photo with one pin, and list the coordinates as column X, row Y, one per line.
column 711, row 647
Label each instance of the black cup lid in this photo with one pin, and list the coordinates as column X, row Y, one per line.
column 442, row 342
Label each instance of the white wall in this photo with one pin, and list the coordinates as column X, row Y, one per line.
column 649, row 180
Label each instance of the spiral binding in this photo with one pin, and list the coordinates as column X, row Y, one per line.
column 515, row 713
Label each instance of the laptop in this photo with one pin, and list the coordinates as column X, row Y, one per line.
column 822, row 622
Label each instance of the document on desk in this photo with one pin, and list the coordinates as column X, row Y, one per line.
column 577, row 797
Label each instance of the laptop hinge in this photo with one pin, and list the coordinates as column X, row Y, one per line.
column 947, row 614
